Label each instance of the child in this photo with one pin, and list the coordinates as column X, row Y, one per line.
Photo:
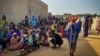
column 44, row 39
column 27, row 48
column 46, row 43
column 35, row 37
column 28, row 42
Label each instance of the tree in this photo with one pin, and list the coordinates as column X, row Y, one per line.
column 94, row 15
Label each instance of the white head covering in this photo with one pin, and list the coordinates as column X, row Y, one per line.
column 14, row 33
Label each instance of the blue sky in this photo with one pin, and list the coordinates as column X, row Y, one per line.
column 73, row 6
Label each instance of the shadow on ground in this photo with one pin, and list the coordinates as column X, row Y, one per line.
column 84, row 48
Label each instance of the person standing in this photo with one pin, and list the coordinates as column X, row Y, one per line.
column 26, row 21
column 1, row 37
column 63, row 33
column 90, row 22
column 3, row 30
column 3, row 22
column 98, row 24
column 33, row 22
column 85, row 26
column 72, row 32
column 79, row 23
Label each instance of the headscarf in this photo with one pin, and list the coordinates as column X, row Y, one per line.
column 33, row 21
column 73, row 19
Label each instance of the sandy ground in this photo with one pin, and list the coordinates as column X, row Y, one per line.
column 85, row 47
column 94, row 39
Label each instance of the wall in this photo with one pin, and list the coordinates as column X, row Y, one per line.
column 37, row 8
column 16, row 10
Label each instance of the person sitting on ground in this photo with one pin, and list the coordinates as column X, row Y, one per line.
column 19, row 25
column 44, row 38
column 15, row 42
column 28, row 42
column 11, row 26
column 35, row 36
column 26, row 21
column 56, row 40
column 10, row 33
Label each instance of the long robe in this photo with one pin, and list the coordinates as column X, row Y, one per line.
column 10, row 33
column 63, row 33
column 15, row 43
column 3, row 27
column 33, row 22
column 2, row 23
column 72, row 33
column 85, row 26
column 98, row 24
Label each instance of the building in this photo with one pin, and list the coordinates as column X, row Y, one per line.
column 16, row 10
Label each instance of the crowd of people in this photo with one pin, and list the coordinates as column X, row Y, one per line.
column 29, row 36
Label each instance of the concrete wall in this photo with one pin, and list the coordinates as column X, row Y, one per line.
column 16, row 10
column 37, row 7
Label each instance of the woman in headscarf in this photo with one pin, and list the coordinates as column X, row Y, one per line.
column 10, row 33
column 90, row 22
column 63, row 33
column 72, row 33
column 3, row 22
column 3, row 29
column 85, row 25
column 15, row 42
column 98, row 24
column 33, row 22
